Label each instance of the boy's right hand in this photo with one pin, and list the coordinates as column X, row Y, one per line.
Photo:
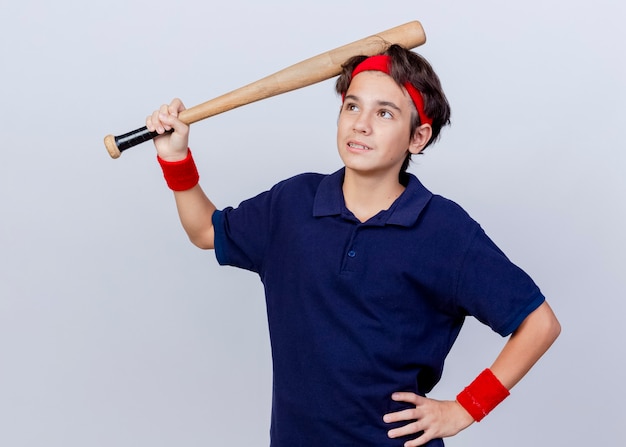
column 170, row 146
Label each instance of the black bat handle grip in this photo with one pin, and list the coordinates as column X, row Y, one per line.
column 116, row 145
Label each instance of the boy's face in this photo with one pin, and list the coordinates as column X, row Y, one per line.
column 374, row 125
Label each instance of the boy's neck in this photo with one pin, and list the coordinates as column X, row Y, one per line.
column 366, row 196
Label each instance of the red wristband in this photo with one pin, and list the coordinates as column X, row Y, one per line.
column 482, row 395
column 180, row 175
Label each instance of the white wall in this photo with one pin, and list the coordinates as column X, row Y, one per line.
column 114, row 330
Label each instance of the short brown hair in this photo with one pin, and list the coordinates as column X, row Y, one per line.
column 408, row 66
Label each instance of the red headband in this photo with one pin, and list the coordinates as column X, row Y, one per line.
column 382, row 63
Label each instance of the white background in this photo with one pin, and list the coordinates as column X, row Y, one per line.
column 115, row 331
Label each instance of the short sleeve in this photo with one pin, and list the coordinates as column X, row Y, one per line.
column 242, row 233
column 493, row 289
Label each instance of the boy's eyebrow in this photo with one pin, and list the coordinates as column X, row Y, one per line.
column 389, row 104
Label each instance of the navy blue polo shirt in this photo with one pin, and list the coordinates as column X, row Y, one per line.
column 357, row 310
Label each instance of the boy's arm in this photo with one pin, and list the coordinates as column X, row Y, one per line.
column 526, row 345
column 441, row 419
column 194, row 207
column 195, row 211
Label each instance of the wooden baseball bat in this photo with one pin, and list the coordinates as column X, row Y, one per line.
column 310, row 71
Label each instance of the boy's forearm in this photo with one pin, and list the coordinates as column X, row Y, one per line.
column 523, row 349
column 526, row 346
column 195, row 211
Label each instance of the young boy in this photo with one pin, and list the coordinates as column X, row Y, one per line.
column 368, row 276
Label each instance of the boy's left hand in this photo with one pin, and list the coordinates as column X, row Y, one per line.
column 436, row 419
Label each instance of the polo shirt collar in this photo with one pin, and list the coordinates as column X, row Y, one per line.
column 404, row 212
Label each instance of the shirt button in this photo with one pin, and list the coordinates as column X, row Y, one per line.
column 352, row 253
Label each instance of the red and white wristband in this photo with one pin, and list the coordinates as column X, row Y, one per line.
column 180, row 175
column 482, row 395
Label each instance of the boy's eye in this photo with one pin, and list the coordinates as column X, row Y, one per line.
column 351, row 107
column 385, row 114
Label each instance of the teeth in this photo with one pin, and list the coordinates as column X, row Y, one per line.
column 358, row 146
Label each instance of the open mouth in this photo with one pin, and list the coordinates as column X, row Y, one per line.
column 359, row 147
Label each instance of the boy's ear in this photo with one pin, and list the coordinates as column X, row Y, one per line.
column 420, row 139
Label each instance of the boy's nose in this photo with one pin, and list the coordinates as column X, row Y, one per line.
column 362, row 124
